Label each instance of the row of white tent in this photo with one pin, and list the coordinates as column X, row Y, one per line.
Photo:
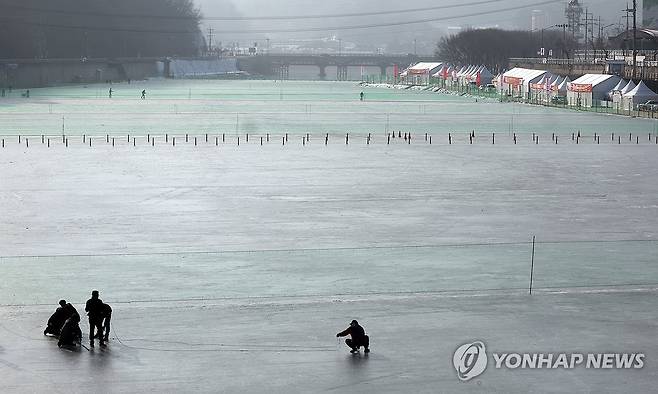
column 585, row 91
column 422, row 73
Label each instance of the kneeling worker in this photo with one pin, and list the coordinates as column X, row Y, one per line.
column 359, row 337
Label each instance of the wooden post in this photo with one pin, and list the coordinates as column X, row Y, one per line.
column 532, row 263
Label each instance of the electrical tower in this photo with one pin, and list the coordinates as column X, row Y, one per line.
column 210, row 35
column 574, row 12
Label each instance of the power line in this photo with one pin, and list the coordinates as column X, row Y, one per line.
column 256, row 18
column 293, row 30
column 97, row 28
column 368, row 26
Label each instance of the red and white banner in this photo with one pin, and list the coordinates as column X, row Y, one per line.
column 513, row 81
column 580, row 87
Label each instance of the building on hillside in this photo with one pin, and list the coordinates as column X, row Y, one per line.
column 647, row 39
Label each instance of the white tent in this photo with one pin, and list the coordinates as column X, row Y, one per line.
column 419, row 73
column 641, row 94
column 486, row 77
column 589, row 89
column 563, row 86
column 617, row 88
column 629, row 86
column 516, row 82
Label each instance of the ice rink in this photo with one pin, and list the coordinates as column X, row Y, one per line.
column 231, row 268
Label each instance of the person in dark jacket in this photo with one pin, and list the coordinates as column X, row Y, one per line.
column 107, row 317
column 57, row 320
column 71, row 334
column 94, row 309
column 358, row 337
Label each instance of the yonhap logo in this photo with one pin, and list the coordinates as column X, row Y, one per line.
column 470, row 360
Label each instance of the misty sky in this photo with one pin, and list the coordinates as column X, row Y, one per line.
column 426, row 34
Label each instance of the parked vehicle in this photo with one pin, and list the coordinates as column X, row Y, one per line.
column 651, row 105
column 559, row 100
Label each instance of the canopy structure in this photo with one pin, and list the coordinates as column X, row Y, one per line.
column 563, row 86
column 620, row 85
column 556, row 83
column 590, row 89
column 419, row 73
column 629, row 86
column 423, row 68
column 517, row 80
column 640, row 94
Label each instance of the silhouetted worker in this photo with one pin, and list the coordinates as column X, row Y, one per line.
column 359, row 337
column 94, row 309
column 107, row 317
column 110, row 92
column 57, row 320
column 143, row 94
column 361, row 96
column 71, row 333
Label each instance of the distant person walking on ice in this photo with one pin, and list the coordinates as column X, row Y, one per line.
column 358, row 337
column 110, row 92
column 362, row 96
column 94, row 309
column 143, row 94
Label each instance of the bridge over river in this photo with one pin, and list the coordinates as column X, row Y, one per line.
column 278, row 64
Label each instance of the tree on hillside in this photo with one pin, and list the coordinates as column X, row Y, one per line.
column 98, row 28
column 494, row 47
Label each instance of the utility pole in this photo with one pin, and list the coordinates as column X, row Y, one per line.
column 634, row 38
column 586, row 25
column 627, row 17
column 634, row 11
column 600, row 30
column 210, row 34
column 564, row 37
column 589, row 34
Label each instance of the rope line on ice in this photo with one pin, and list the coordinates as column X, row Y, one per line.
column 331, row 249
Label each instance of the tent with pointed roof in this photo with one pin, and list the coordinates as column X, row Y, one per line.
column 619, row 87
column 618, row 95
column 629, row 86
column 563, row 87
column 639, row 95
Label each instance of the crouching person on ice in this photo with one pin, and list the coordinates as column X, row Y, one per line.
column 71, row 335
column 358, row 337
column 57, row 320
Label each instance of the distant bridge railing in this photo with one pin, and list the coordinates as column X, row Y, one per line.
column 555, row 61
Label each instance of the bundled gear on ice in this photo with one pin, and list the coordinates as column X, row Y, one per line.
column 358, row 337
column 71, row 335
column 94, row 309
column 57, row 320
